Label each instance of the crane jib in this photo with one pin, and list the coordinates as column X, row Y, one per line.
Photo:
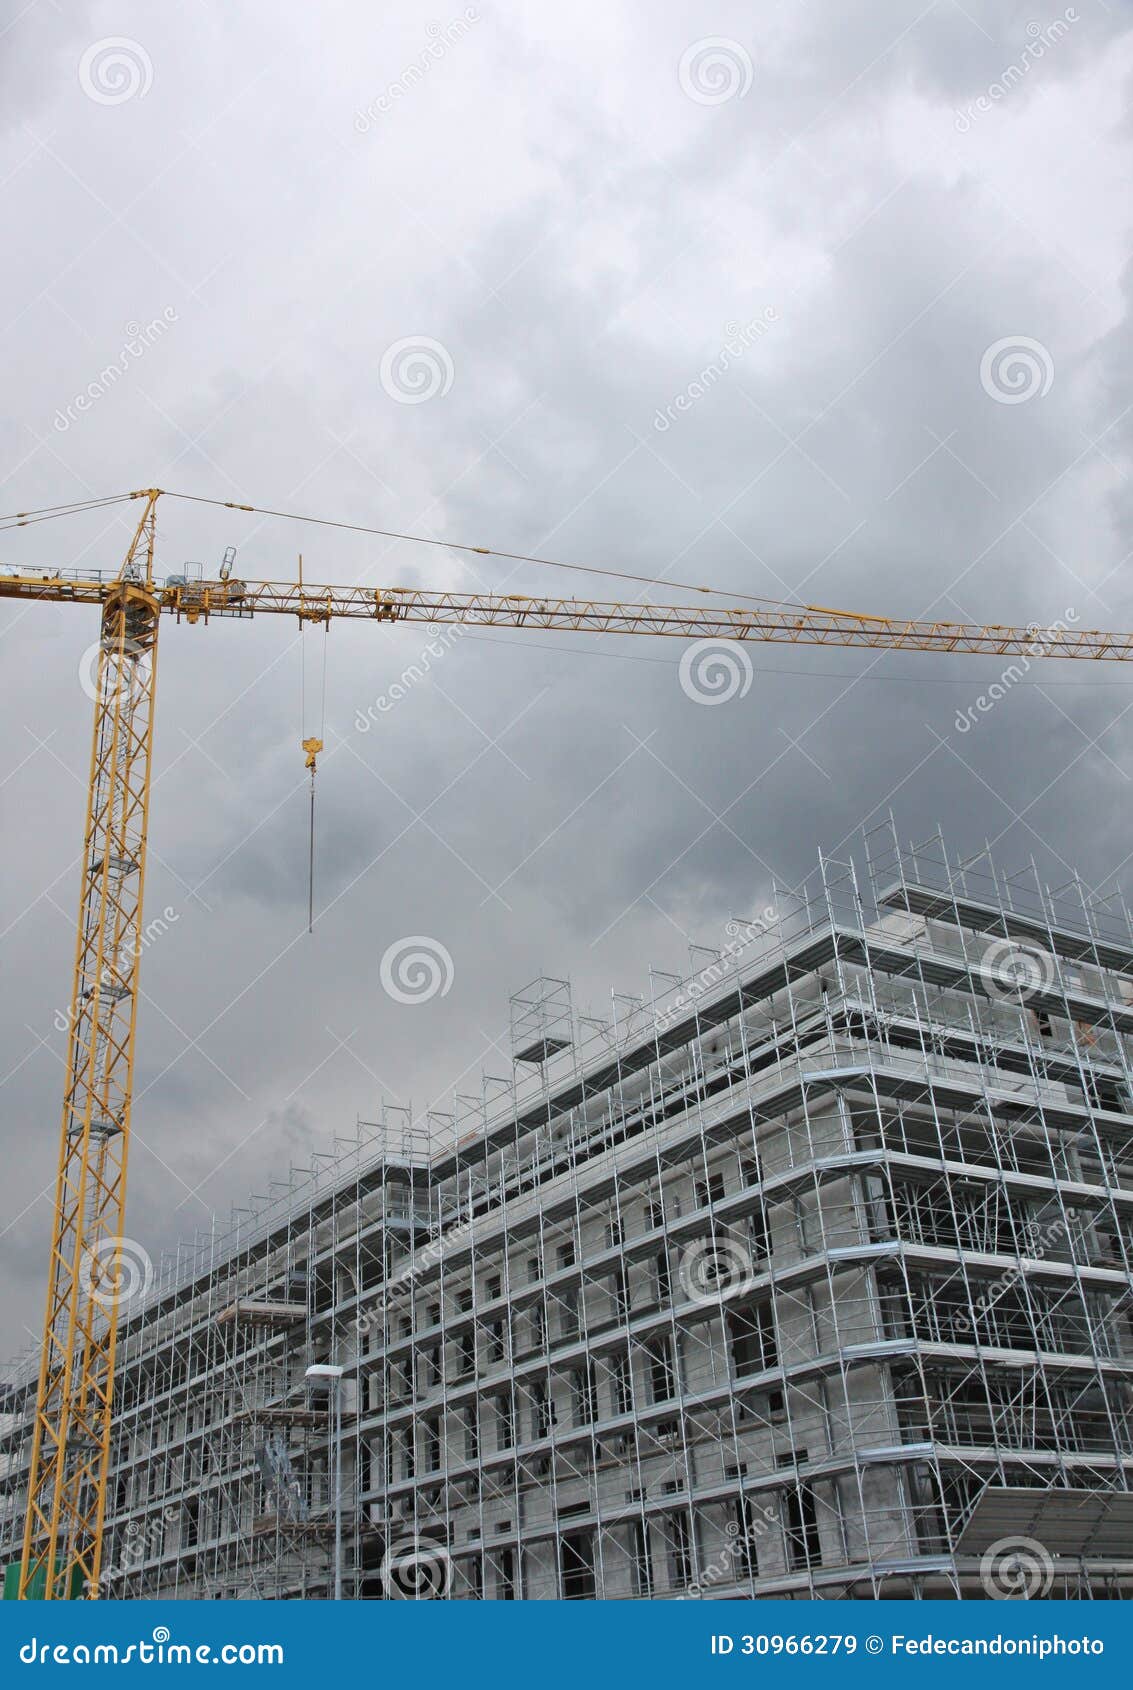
column 200, row 601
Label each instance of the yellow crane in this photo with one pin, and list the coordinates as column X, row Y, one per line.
column 71, row 1442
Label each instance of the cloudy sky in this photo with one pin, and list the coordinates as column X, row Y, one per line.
column 823, row 301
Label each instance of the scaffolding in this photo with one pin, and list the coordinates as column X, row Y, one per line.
column 809, row 1274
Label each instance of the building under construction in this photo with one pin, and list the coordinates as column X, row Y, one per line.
column 808, row 1275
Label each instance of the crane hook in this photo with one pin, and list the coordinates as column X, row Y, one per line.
column 312, row 747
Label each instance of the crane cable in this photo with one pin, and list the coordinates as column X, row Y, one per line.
column 46, row 513
column 490, row 551
column 21, row 519
column 312, row 745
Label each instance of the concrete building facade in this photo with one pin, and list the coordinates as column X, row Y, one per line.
column 810, row 1275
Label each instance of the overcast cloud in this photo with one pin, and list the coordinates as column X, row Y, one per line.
column 712, row 293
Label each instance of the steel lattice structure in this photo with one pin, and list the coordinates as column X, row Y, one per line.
column 67, row 1493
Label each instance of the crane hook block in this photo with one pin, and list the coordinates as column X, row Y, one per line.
column 312, row 747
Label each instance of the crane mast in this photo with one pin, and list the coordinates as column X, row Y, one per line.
column 70, row 1460
column 71, row 1438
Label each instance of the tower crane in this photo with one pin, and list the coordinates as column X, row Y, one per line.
column 62, row 1544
